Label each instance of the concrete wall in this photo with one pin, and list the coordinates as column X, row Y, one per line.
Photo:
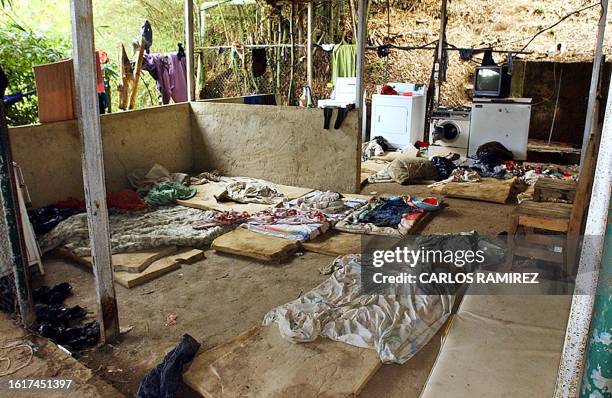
column 539, row 80
column 285, row 145
column 50, row 154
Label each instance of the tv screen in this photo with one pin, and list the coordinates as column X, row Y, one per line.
column 488, row 80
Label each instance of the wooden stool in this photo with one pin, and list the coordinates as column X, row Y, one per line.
column 564, row 221
column 541, row 226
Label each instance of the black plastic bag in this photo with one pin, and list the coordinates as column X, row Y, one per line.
column 493, row 153
column 443, row 166
column 162, row 381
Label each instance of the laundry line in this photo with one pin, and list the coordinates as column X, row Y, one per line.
column 428, row 46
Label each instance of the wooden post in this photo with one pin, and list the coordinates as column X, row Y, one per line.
column 590, row 116
column 362, row 33
column 189, row 50
column 440, row 67
column 309, row 47
column 93, row 165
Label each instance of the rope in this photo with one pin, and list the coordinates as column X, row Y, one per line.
column 6, row 358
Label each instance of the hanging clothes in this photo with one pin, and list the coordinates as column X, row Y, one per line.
column 178, row 78
column 170, row 73
column 344, row 60
column 259, row 61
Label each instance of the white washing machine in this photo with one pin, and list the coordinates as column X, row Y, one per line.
column 449, row 132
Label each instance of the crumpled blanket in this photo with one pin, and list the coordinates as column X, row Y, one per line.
column 332, row 204
column 229, row 217
column 291, row 224
column 133, row 231
column 142, row 181
column 254, row 191
column 396, row 326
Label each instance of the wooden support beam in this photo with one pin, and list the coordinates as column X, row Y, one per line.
column 591, row 118
column 440, row 66
column 189, row 46
column 362, row 34
column 93, row 165
column 309, row 47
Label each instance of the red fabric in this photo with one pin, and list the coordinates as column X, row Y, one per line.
column 431, row 201
column 421, row 144
column 126, row 199
column 413, row 215
column 388, row 90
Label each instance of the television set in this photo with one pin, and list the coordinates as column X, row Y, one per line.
column 492, row 81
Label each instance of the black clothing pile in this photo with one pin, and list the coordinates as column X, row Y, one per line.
column 56, row 321
column 443, row 166
column 44, row 219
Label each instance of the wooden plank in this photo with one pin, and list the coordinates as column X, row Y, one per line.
column 189, row 50
column 137, row 262
column 205, row 198
column 488, row 190
column 549, row 224
column 137, row 71
column 560, row 211
column 260, row 363
column 55, row 91
column 335, row 244
column 155, row 270
column 252, row 244
column 93, row 166
column 159, row 268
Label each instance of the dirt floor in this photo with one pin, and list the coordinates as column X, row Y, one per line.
column 220, row 296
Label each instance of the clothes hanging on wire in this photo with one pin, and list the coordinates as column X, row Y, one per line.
column 170, row 73
column 259, row 61
column 344, row 57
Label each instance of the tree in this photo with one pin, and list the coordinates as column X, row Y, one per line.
column 20, row 50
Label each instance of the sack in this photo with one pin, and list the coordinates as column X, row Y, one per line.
column 407, row 168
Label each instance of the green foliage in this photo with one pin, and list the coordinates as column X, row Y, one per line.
column 20, row 50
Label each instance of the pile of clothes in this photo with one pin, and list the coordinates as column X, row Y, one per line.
column 376, row 147
column 388, row 216
column 250, row 191
column 300, row 219
column 59, row 323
